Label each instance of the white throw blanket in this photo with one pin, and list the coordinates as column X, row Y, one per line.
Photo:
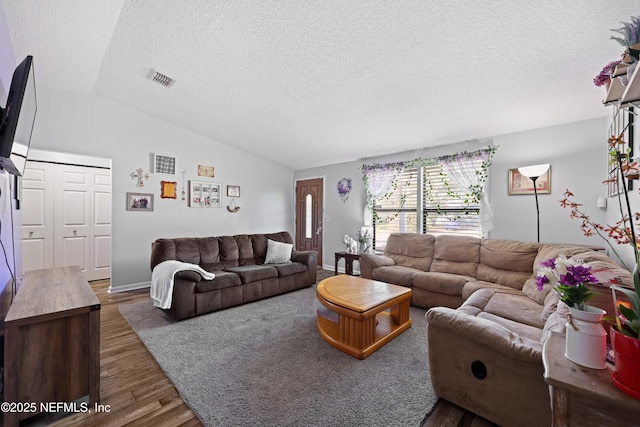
column 162, row 280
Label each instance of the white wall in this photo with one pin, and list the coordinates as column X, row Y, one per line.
column 577, row 153
column 578, row 156
column 89, row 125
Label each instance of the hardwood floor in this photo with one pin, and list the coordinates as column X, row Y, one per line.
column 446, row 414
column 138, row 393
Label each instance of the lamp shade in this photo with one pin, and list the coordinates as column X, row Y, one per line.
column 534, row 171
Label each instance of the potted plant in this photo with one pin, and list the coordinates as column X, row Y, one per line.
column 625, row 332
column 625, row 340
column 629, row 37
column 586, row 338
column 364, row 238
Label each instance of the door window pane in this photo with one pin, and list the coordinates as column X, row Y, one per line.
column 308, row 221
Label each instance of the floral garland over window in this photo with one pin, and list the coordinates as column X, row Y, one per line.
column 380, row 180
column 344, row 188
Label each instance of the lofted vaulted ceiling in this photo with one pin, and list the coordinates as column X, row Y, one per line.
column 307, row 83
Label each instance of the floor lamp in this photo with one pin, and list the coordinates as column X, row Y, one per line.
column 533, row 173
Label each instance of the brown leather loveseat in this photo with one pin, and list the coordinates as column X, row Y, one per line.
column 240, row 273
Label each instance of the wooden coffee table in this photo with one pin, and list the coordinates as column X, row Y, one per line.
column 363, row 323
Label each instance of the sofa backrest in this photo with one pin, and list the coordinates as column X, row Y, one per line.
column 215, row 253
column 456, row 254
column 506, row 262
column 411, row 250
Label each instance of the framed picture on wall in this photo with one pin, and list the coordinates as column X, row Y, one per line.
column 164, row 164
column 168, row 189
column 141, row 202
column 520, row 184
column 204, row 194
column 233, row 191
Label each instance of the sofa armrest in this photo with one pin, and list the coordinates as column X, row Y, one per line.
column 370, row 261
column 189, row 275
column 463, row 327
column 305, row 257
column 310, row 259
column 483, row 367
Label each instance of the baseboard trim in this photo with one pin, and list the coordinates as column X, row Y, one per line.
column 130, row 287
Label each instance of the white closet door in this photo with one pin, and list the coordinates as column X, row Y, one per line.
column 72, row 216
column 37, row 216
column 83, row 219
column 101, row 230
column 66, row 218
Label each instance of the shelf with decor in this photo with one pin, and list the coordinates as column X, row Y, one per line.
column 624, row 96
column 631, row 94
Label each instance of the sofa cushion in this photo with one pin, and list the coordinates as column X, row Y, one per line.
column 253, row 273
column 222, row 280
column 512, row 305
column 229, row 251
column 290, row 268
column 278, row 252
column 506, row 262
column 456, row 254
column 443, row 283
column 245, row 249
column 410, row 250
column 472, row 286
column 522, row 330
column 395, row 274
column 187, row 250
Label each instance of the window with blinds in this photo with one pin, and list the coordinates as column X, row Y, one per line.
column 424, row 201
column 399, row 213
column 446, row 207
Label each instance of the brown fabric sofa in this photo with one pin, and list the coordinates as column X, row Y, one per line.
column 489, row 321
column 240, row 273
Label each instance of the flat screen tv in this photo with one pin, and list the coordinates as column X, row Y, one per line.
column 17, row 118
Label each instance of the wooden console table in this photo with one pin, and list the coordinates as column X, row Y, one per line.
column 583, row 396
column 348, row 261
column 52, row 342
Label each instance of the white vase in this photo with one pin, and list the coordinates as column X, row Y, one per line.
column 586, row 337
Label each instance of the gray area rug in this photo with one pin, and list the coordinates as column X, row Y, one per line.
column 264, row 364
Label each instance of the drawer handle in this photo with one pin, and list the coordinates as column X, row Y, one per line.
column 75, row 232
column 31, row 234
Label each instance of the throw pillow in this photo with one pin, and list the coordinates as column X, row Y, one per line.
column 278, row 252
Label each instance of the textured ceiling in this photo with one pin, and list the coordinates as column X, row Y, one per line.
column 309, row 83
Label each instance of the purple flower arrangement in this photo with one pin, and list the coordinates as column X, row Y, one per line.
column 569, row 279
column 605, row 75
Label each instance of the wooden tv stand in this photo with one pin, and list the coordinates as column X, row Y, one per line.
column 52, row 342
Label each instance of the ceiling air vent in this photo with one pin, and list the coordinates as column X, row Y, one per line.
column 160, row 78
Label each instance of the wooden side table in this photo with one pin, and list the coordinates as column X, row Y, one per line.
column 348, row 261
column 583, row 396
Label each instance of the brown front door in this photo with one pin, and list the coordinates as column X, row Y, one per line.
column 309, row 216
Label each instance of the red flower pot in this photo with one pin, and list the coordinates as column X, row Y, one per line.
column 627, row 354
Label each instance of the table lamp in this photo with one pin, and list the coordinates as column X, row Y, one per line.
column 533, row 173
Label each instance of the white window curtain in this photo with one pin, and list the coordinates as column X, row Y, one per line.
column 380, row 182
column 468, row 172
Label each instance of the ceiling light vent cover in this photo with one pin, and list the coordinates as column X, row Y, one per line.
column 160, row 78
